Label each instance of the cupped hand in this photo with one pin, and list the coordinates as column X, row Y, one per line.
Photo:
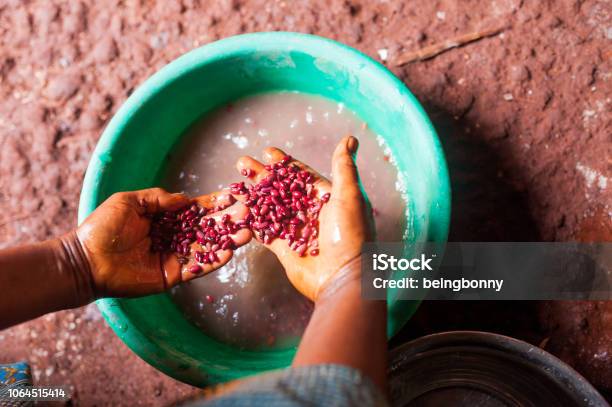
column 116, row 241
column 345, row 221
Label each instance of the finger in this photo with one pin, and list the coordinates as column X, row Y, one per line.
column 256, row 168
column 273, row 155
column 237, row 211
column 279, row 247
column 344, row 171
column 242, row 237
column 175, row 273
column 154, row 200
column 216, row 259
column 216, row 201
column 171, row 269
column 239, row 238
column 194, row 270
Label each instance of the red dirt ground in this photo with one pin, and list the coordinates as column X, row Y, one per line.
column 524, row 117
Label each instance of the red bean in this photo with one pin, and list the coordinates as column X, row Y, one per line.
column 301, row 216
column 195, row 269
column 277, row 201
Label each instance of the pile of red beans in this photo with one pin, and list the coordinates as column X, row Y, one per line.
column 284, row 205
column 177, row 231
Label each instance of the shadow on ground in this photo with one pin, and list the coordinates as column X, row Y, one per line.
column 485, row 208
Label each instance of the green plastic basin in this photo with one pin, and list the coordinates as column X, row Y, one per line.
column 134, row 146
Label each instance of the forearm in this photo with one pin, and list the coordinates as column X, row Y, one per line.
column 43, row 277
column 348, row 330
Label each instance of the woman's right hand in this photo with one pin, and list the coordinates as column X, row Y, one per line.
column 345, row 222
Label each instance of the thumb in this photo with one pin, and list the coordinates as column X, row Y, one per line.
column 153, row 200
column 345, row 179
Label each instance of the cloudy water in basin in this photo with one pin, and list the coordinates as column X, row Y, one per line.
column 250, row 303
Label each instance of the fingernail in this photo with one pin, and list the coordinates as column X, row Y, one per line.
column 352, row 144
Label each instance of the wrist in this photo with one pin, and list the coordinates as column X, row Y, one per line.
column 347, row 278
column 72, row 262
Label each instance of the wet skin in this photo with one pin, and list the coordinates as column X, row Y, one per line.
column 342, row 229
column 117, row 243
column 110, row 255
